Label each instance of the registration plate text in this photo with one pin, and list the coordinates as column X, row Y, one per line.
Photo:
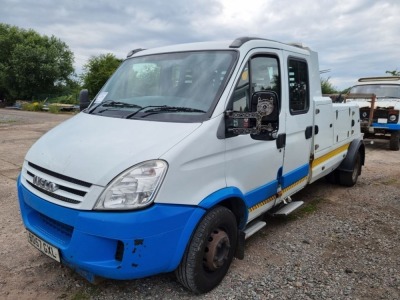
column 44, row 247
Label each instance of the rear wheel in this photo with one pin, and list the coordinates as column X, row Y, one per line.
column 394, row 143
column 350, row 178
column 210, row 252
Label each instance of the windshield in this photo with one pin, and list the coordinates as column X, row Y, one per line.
column 166, row 87
column 380, row 90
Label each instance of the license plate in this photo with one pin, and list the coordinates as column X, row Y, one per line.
column 44, row 247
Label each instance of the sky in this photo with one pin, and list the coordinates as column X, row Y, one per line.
column 354, row 38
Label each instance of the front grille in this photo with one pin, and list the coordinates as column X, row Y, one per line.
column 378, row 114
column 64, row 188
column 69, row 190
column 54, row 195
column 51, row 229
column 60, row 176
column 381, row 113
column 61, row 228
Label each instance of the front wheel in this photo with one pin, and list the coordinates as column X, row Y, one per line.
column 210, row 252
column 350, row 178
column 394, row 143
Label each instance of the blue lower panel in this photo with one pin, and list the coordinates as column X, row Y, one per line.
column 250, row 199
column 260, row 194
column 118, row 245
column 386, row 126
column 295, row 175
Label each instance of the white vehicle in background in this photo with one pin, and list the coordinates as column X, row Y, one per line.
column 181, row 154
column 379, row 102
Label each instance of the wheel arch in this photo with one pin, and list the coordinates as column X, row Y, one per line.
column 231, row 198
column 356, row 146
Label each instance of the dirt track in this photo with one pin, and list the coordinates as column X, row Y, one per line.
column 343, row 245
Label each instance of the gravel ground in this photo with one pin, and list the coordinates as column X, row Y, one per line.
column 343, row 243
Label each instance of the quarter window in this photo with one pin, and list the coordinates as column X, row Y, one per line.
column 299, row 98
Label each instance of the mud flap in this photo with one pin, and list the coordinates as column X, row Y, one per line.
column 239, row 253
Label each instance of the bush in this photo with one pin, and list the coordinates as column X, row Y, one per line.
column 35, row 106
column 54, row 109
column 327, row 87
column 70, row 99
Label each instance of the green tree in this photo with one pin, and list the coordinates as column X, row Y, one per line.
column 32, row 64
column 327, row 87
column 393, row 73
column 97, row 71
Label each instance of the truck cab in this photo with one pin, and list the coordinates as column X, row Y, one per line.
column 379, row 102
column 175, row 162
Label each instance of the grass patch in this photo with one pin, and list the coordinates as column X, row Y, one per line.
column 86, row 294
column 306, row 209
column 389, row 181
column 81, row 295
column 8, row 121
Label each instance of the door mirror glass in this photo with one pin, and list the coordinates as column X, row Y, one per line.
column 83, row 99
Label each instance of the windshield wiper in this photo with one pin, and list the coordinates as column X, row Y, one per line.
column 155, row 109
column 112, row 103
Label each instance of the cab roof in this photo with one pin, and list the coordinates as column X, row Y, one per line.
column 241, row 44
column 379, row 80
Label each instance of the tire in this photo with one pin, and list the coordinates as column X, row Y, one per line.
column 394, row 143
column 350, row 178
column 210, row 251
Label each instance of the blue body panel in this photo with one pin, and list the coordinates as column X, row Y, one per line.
column 153, row 239
column 258, row 195
column 295, row 175
column 220, row 195
column 250, row 199
column 386, row 126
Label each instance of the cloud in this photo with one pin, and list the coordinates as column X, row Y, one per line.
column 354, row 38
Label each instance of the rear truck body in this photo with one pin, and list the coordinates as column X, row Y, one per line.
column 177, row 159
column 379, row 102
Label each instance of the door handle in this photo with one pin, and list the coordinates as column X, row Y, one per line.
column 308, row 132
column 281, row 140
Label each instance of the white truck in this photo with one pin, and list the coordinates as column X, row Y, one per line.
column 180, row 155
column 379, row 102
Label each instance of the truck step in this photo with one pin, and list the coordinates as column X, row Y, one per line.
column 253, row 228
column 288, row 208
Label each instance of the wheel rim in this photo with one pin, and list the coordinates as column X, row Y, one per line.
column 217, row 250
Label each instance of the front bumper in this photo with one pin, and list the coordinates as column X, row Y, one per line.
column 387, row 126
column 117, row 245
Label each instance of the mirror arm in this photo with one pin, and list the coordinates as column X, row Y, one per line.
column 258, row 115
column 265, row 105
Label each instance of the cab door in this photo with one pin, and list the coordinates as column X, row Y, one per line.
column 253, row 161
column 299, row 124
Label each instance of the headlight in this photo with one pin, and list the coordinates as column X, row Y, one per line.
column 135, row 188
column 392, row 118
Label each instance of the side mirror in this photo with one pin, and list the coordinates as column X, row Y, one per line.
column 83, row 99
column 263, row 120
